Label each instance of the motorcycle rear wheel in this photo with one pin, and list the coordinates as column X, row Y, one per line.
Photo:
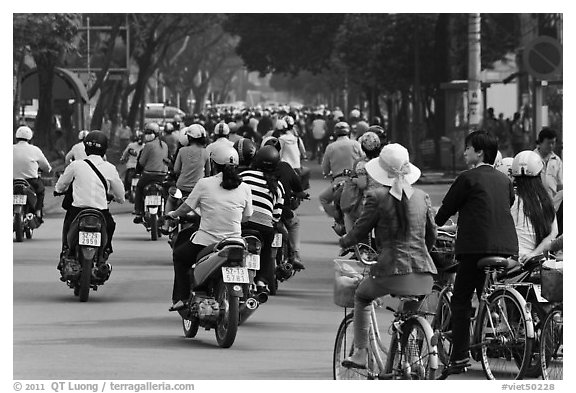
column 18, row 227
column 153, row 226
column 85, row 277
column 227, row 324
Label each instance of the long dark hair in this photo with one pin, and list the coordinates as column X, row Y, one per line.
column 271, row 181
column 538, row 206
column 230, row 177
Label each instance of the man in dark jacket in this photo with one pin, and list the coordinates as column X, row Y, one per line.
column 482, row 197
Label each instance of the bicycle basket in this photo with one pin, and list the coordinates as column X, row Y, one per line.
column 347, row 275
column 443, row 251
column 551, row 275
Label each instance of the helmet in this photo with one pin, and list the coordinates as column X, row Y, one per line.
column 195, row 131
column 505, row 166
column 233, row 126
column 96, row 142
column 378, row 130
column 342, row 128
column 369, row 141
column 183, row 138
column 224, row 155
column 246, row 150
column 168, row 127
column 152, row 128
column 24, row 132
column 221, row 129
column 527, row 163
column 266, row 159
column 289, row 121
column 354, row 113
column 271, row 141
column 281, row 125
column 82, row 134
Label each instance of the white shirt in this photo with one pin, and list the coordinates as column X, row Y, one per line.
column 88, row 190
column 221, row 210
column 524, row 228
column 77, row 152
column 27, row 159
column 289, row 149
column 552, row 173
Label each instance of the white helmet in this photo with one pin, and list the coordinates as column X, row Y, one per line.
column 183, row 139
column 225, row 154
column 281, row 125
column 354, row 113
column 505, row 166
column 24, row 132
column 221, row 129
column 82, row 134
column 527, row 163
column 195, row 131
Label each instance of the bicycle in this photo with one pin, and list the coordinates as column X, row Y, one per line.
column 411, row 354
column 552, row 344
column 502, row 330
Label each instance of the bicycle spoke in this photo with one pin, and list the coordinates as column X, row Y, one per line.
column 552, row 346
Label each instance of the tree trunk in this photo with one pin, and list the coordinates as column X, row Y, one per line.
column 44, row 132
column 200, row 96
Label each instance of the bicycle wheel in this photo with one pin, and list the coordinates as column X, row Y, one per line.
column 416, row 351
column 552, row 345
column 441, row 324
column 504, row 345
column 344, row 347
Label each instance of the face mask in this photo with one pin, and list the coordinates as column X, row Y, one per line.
column 149, row 137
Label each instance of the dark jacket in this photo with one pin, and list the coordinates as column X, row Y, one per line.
column 482, row 197
column 397, row 255
column 292, row 185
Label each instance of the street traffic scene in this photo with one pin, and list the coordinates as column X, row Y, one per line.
column 298, row 197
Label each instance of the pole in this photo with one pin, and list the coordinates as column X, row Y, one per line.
column 474, row 65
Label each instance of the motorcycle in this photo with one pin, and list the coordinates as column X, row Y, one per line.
column 153, row 208
column 83, row 265
column 133, row 182
column 253, row 297
column 24, row 220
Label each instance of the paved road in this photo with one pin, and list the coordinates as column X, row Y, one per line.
column 126, row 332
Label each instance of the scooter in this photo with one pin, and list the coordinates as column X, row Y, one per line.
column 23, row 219
column 153, row 208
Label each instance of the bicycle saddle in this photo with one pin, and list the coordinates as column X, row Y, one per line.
column 494, row 262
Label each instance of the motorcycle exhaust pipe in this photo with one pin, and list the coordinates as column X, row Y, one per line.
column 262, row 297
column 252, row 303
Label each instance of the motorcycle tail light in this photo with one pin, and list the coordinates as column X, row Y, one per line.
column 235, row 255
column 90, row 224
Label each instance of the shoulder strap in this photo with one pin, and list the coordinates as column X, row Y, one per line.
column 98, row 173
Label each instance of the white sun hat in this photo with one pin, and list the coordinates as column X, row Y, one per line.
column 393, row 169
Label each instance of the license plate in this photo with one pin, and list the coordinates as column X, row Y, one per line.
column 277, row 242
column 238, row 275
column 19, row 199
column 153, row 200
column 253, row 261
column 89, row 239
column 135, row 182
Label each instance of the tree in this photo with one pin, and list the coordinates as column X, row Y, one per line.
column 47, row 38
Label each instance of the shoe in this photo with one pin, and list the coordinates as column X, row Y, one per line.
column 179, row 305
column 104, row 271
column 339, row 229
column 357, row 360
column 138, row 220
column 297, row 265
column 456, row 367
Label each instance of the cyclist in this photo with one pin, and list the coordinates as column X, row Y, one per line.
column 77, row 151
column 27, row 159
column 339, row 157
column 402, row 217
column 482, row 197
column 153, row 162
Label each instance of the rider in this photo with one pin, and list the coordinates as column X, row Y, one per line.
column 27, row 159
column 130, row 157
column 403, row 220
column 171, row 139
column 223, row 201
column 268, row 201
column 246, row 150
column 339, row 158
column 290, row 150
column 77, row 151
column 153, row 162
column 88, row 190
column 220, row 134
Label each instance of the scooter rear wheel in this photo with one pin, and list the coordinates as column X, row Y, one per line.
column 85, row 277
column 227, row 324
column 18, row 227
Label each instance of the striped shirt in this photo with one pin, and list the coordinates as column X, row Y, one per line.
column 267, row 207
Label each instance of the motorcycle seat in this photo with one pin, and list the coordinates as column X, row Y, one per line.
column 205, row 251
column 494, row 262
column 231, row 241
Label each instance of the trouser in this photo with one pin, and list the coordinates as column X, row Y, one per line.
column 267, row 263
column 469, row 278
column 71, row 214
column 183, row 257
column 317, row 147
column 293, row 227
column 128, row 179
column 371, row 287
column 38, row 187
column 328, row 202
column 146, row 179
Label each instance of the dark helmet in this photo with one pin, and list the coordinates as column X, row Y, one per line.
column 246, row 150
column 378, row 130
column 96, row 142
column 272, row 141
column 266, row 159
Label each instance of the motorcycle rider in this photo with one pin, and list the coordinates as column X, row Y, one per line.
column 153, row 162
column 246, row 150
column 88, row 190
column 268, row 201
column 130, row 157
column 27, row 159
column 338, row 159
column 77, row 151
column 223, row 201
column 220, row 134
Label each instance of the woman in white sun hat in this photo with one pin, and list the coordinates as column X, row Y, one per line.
column 403, row 220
